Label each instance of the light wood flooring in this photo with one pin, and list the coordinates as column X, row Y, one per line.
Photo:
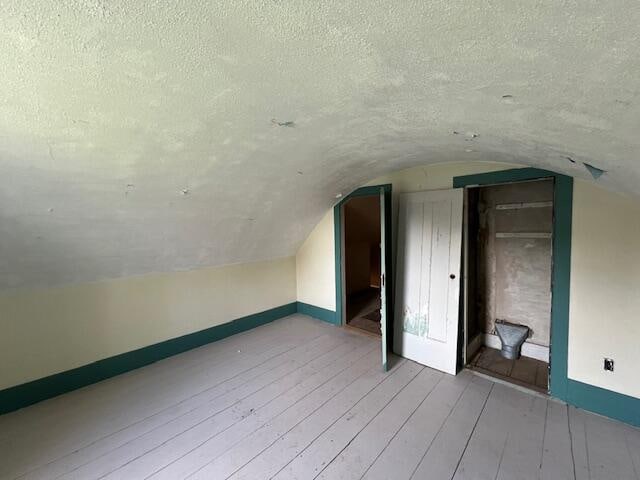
column 299, row 398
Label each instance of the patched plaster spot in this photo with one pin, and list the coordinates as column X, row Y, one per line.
column 508, row 99
column 173, row 146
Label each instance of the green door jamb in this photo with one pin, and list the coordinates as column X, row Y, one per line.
column 561, row 272
column 368, row 191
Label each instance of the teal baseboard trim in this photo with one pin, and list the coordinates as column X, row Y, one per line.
column 604, row 402
column 318, row 312
column 29, row 393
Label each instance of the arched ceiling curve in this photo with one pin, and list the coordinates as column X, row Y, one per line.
column 154, row 136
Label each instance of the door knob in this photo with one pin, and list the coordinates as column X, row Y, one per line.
column 452, row 276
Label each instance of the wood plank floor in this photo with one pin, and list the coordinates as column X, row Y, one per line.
column 301, row 399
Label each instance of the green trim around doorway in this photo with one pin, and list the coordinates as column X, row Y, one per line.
column 561, row 274
column 368, row 191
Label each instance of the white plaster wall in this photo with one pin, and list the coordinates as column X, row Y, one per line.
column 605, row 272
column 315, row 266
column 49, row 331
column 605, row 289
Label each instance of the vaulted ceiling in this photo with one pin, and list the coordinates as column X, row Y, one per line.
column 157, row 136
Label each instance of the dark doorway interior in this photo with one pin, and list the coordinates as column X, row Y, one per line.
column 362, row 263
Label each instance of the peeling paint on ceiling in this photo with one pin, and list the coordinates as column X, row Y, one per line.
column 138, row 137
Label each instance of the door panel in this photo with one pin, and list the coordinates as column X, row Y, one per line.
column 409, row 283
column 428, row 263
column 383, row 279
column 440, row 240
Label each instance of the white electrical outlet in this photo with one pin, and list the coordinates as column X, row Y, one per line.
column 608, row 364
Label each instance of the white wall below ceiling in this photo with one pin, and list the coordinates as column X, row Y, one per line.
column 605, row 289
column 50, row 331
column 605, row 272
column 315, row 268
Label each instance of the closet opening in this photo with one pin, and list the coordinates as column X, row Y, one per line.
column 508, row 258
column 362, row 263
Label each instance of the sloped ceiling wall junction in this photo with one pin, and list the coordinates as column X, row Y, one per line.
column 158, row 136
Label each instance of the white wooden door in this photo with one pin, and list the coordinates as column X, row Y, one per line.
column 428, row 279
column 383, row 279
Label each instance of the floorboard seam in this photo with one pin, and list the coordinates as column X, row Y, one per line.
column 544, row 434
column 342, row 416
column 466, row 445
column 372, row 419
column 633, row 463
column 573, row 457
column 441, row 427
column 504, row 447
column 586, row 449
column 402, row 426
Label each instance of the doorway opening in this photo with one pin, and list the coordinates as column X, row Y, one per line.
column 362, row 263
column 381, row 212
column 508, row 266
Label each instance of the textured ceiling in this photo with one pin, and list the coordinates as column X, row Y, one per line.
column 152, row 136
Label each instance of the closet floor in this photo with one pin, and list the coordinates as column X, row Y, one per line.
column 527, row 372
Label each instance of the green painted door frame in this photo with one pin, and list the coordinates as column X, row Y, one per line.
column 605, row 402
column 369, row 191
column 561, row 269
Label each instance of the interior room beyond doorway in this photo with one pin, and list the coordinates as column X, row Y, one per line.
column 362, row 263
